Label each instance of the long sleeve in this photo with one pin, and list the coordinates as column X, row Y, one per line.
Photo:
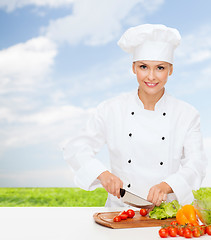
column 81, row 150
column 193, row 164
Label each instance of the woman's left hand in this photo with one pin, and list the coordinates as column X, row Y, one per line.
column 158, row 193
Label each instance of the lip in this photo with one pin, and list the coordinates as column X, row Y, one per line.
column 151, row 85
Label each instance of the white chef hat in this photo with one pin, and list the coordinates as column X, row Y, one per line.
column 150, row 42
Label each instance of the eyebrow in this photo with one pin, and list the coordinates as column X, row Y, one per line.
column 164, row 63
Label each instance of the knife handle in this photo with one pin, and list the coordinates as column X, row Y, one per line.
column 122, row 192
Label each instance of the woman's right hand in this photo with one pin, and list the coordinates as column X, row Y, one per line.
column 111, row 183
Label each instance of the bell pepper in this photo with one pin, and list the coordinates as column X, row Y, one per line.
column 187, row 214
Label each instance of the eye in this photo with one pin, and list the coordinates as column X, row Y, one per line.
column 161, row 68
column 143, row 66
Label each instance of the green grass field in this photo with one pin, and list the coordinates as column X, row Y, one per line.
column 52, row 197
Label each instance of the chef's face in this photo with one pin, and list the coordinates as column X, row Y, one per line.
column 152, row 75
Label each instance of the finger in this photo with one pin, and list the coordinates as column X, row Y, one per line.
column 117, row 192
column 155, row 197
column 150, row 195
column 113, row 189
column 118, row 188
column 158, row 202
column 164, row 197
column 160, row 199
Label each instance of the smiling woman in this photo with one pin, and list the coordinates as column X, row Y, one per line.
column 152, row 137
column 152, row 77
column 60, row 58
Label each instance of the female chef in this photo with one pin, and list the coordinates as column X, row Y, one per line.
column 154, row 140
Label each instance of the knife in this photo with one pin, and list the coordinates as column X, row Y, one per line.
column 134, row 200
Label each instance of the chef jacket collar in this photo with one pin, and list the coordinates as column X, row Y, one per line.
column 159, row 106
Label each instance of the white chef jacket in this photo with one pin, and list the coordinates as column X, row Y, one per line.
column 145, row 147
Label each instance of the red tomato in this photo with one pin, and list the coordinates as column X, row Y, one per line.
column 130, row 213
column 203, row 229
column 180, row 231
column 172, row 231
column 174, row 223
column 117, row 219
column 208, row 230
column 123, row 212
column 123, row 216
column 143, row 212
column 187, row 233
column 190, row 225
column 163, row 232
column 196, row 232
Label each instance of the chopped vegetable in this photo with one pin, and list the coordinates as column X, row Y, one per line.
column 165, row 210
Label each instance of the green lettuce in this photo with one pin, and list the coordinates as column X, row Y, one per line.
column 203, row 203
column 165, row 210
column 204, row 197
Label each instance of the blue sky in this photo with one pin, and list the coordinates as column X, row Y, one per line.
column 59, row 59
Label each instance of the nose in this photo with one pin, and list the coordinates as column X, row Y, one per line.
column 151, row 76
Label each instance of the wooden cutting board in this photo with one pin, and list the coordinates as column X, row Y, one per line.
column 106, row 219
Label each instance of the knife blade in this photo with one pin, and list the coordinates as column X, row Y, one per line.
column 134, row 200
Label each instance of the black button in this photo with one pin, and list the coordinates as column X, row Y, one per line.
column 163, row 138
column 128, row 185
column 129, row 161
column 161, row 163
column 130, row 134
column 164, row 114
column 132, row 113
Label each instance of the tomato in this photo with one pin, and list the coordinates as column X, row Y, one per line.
column 180, row 231
column 163, row 232
column 117, row 219
column 130, row 213
column 196, row 232
column 174, row 223
column 190, row 225
column 123, row 216
column 187, row 233
column 203, row 229
column 172, row 231
column 143, row 212
column 123, row 212
column 208, row 230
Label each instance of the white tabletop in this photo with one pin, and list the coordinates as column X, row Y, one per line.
column 65, row 224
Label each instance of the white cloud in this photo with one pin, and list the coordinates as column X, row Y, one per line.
column 196, row 46
column 117, row 73
column 11, row 5
column 59, row 177
column 193, row 64
column 97, row 22
column 53, row 125
column 25, row 69
column 25, row 64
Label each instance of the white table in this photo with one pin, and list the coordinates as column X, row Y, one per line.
column 66, row 224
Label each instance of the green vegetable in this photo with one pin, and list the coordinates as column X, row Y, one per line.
column 203, row 203
column 204, row 197
column 165, row 210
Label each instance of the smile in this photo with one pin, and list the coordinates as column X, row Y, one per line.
column 151, row 84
